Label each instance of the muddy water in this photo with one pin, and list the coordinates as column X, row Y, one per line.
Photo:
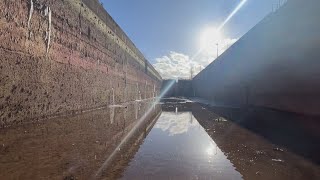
column 188, row 141
column 74, row 147
column 178, row 147
column 192, row 141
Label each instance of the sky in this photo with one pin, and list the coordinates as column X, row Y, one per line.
column 170, row 32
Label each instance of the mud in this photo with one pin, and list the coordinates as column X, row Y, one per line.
column 79, row 146
column 73, row 147
column 253, row 155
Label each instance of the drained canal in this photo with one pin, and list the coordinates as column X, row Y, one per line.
column 182, row 140
column 191, row 141
column 179, row 147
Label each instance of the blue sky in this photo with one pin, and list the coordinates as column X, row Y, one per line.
column 165, row 28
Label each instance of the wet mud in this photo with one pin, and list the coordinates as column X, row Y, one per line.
column 187, row 140
column 253, row 155
column 74, row 147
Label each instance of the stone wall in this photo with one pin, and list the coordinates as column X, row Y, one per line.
column 275, row 65
column 66, row 56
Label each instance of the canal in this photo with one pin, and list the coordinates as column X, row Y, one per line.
column 182, row 140
column 179, row 147
column 191, row 141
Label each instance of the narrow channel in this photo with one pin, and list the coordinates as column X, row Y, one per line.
column 178, row 147
column 193, row 141
column 188, row 140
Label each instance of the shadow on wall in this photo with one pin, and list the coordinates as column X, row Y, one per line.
column 275, row 65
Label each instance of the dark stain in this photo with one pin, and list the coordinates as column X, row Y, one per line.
column 13, row 89
column 70, row 177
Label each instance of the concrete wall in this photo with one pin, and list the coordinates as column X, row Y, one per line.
column 65, row 56
column 180, row 88
column 276, row 64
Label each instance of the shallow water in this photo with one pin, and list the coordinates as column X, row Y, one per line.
column 178, row 147
column 193, row 141
column 188, row 141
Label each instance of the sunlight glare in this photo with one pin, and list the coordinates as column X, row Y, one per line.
column 209, row 38
column 210, row 151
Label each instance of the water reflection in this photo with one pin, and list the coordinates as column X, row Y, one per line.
column 72, row 147
column 177, row 125
column 179, row 148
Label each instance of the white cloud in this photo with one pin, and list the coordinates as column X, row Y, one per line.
column 175, row 124
column 178, row 65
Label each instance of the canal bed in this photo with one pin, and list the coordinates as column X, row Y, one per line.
column 192, row 141
column 188, row 141
column 178, row 147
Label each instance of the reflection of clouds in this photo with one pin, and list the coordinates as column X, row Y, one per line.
column 176, row 123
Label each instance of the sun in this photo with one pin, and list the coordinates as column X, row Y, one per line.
column 209, row 38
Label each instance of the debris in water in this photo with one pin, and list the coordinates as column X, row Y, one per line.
column 277, row 160
column 260, row 152
column 278, row 149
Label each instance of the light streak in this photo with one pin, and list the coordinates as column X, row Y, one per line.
column 234, row 12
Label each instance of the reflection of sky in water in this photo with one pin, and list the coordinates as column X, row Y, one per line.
column 175, row 124
column 179, row 148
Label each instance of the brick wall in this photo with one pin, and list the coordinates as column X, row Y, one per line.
column 64, row 56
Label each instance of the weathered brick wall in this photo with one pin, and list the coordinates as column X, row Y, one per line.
column 65, row 56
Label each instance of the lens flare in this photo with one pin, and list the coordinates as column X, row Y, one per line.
column 132, row 131
column 240, row 5
column 243, row 2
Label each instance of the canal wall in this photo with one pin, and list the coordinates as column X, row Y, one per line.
column 275, row 65
column 176, row 88
column 62, row 57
